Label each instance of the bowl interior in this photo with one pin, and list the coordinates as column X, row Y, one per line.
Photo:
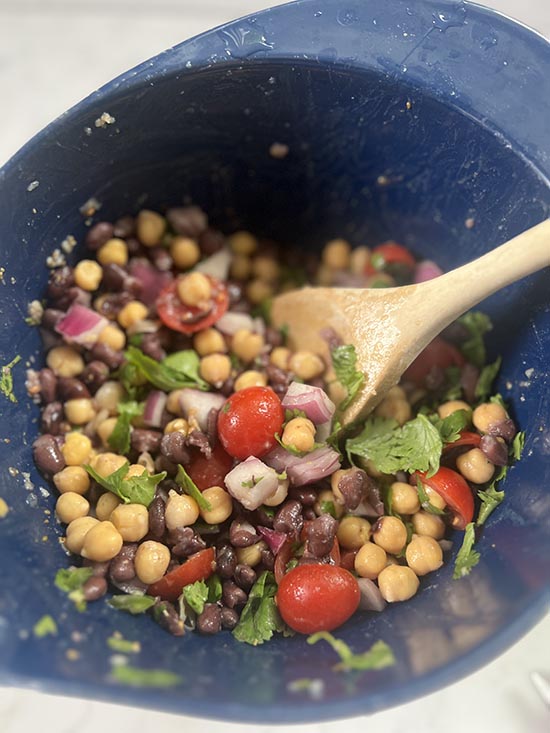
column 369, row 158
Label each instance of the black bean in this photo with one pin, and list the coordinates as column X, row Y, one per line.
column 104, row 353
column 122, row 569
column 143, row 440
column 495, row 449
column 48, row 385
column 244, row 576
column 212, row 427
column 263, row 517
column 331, row 337
column 309, row 513
column 210, row 241
column 52, row 418
column 273, row 336
column 47, row 455
column 210, row 620
column 110, row 305
column 232, row 595
column 505, row 429
column 70, row 388
column 226, row 561
column 320, row 535
column 129, row 550
column 185, row 541
column 157, row 523
column 456, row 333
column 99, row 569
column 304, row 494
column 242, row 534
column 374, row 497
column 278, row 378
column 76, row 295
column 289, row 518
column 166, row 616
column 353, row 488
column 469, row 374
column 190, row 221
column 124, row 227
column 197, row 439
column 134, row 246
column 94, row 588
column 227, row 387
column 113, row 276
column 230, row 618
column 172, row 447
column 51, row 317
column 163, row 464
column 99, row 234
column 94, row 375
column 150, row 345
column 60, row 281
column 268, row 558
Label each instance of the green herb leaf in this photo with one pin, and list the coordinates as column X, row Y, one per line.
column 45, row 626
column 473, row 348
column 424, row 499
column 344, row 360
column 214, row 588
column 6, row 379
column 486, row 379
column 490, row 498
column 467, row 557
column 184, row 480
column 453, row 388
column 71, row 581
column 182, row 369
column 416, row 446
column 119, row 440
column 378, row 656
column 196, row 595
column 138, row 677
column 260, row 618
column 117, row 643
column 327, row 507
column 133, row 490
column 291, row 414
column 133, row 604
column 449, row 428
column 518, row 445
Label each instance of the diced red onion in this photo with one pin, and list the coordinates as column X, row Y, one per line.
column 317, row 405
column 275, row 540
column 154, row 408
column 303, row 470
column 323, row 431
column 81, row 325
column 233, row 321
column 426, row 270
column 217, row 265
column 252, row 482
column 198, row 404
column 151, row 278
column 371, row 598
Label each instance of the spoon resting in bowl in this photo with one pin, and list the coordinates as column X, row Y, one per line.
column 390, row 327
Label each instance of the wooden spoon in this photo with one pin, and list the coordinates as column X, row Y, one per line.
column 390, row 327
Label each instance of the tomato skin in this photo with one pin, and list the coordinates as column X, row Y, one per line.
column 456, row 492
column 466, row 438
column 394, row 253
column 438, row 353
column 197, row 567
column 248, row 422
column 207, row 472
column 314, row 598
column 187, row 319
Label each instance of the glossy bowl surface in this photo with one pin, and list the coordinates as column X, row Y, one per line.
column 402, row 120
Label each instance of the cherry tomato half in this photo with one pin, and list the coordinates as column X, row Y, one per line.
column 197, row 567
column 391, row 253
column 454, row 489
column 189, row 319
column 438, row 353
column 314, row 598
column 466, row 438
column 207, row 472
column 248, row 422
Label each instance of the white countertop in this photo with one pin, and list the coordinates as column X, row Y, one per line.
column 52, row 54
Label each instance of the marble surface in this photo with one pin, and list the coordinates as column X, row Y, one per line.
column 53, row 53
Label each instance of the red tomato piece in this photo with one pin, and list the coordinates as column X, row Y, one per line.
column 207, row 472
column 189, row 319
column 456, row 492
column 393, row 253
column 314, row 598
column 438, row 353
column 466, row 438
column 248, row 422
column 199, row 566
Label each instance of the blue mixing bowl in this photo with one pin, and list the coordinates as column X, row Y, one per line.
column 402, row 120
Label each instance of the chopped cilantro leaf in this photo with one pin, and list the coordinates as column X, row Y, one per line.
column 291, row 414
column 71, row 581
column 518, row 445
column 138, row 677
column 378, row 656
column 184, row 480
column 260, row 618
column 327, row 507
column 45, row 626
column 453, row 388
column 344, row 360
column 119, row 440
column 196, row 595
column 490, row 498
column 424, row 499
column 135, row 490
column 133, row 604
column 176, row 371
column 473, row 348
column 467, row 557
column 6, row 379
column 449, row 428
column 486, row 378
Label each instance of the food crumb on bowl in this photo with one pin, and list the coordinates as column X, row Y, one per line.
column 279, row 150
column 4, row 508
column 32, row 186
column 104, row 120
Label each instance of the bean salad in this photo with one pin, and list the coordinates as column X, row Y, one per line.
column 202, row 474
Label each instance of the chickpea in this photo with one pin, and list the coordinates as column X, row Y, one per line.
column 396, row 408
column 247, row 345
column 105, row 429
column 88, row 274
column 105, row 505
column 109, row 395
column 76, row 533
column 151, row 561
column 279, row 496
column 299, row 433
column 251, row 555
column 72, row 478
column 209, row 341
column 241, row 267
column 370, row 561
column 490, row 413
column 306, row 365
column 181, row 510
column 327, row 497
column 71, row 505
column 79, row 411
column 447, row 408
column 404, row 498
column 337, row 392
column 359, row 259
column 179, row 425
column 76, row 449
column 113, row 337
column 435, row 499
column 397, row 583
column 221, row 503
column 113, row 252
column 324, row 275
column 194, row 289
column 336, row 254
column 131, row 520
column 280, row 357
column 390, row 534
column 64, row 361
column 185, row 252
column 266, row 268
column 428, row 525
column 215, row 368
column 173, row 403
column 251, row 378
column 258, row 290
column 243, row 243
column 475, row 466
column 134, row 469
column 131, row 313
column 150, row 227
column 335, row 479
column 424, row 555
column 107, row 463
column 353, row 532
column 102, row 542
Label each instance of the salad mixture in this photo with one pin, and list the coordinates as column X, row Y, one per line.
column 201, row 469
